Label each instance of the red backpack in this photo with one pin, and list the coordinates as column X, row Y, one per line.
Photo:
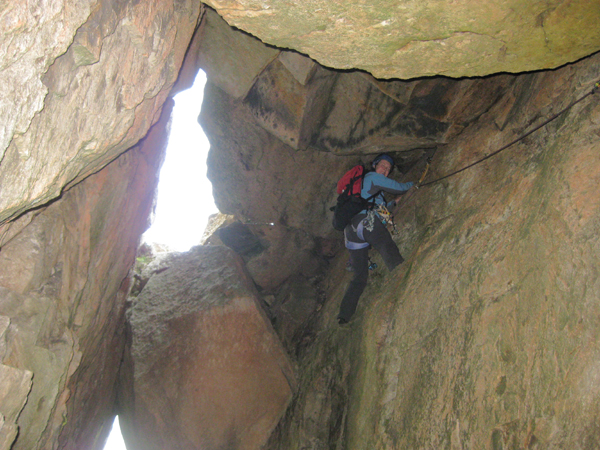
column 349, row 201
column 352, row 180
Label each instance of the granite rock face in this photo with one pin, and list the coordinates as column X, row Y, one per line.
column 392, row 39
column 232, row 60
column 82, row 82
column 277, row 153
column 207, row 369
column 63, row 285
column 15, row 387
column 487, row 336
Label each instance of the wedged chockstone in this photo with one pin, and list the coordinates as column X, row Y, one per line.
column 240, row 239
column 392, row 39
column 204, row 368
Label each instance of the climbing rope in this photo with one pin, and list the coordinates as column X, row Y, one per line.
column 546, row 122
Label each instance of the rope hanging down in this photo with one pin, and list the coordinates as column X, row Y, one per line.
column 546, row 122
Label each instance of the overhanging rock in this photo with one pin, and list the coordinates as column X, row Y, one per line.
column 393, row 39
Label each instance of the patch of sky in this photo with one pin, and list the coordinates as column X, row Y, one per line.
column 115, row 438
column 184, row 199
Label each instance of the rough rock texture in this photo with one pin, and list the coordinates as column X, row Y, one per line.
column 232, row 60
column 410, row 39
column 280, row 186
column 16, row 384
column 207, row 369
column 487, row 337
column 63, row 284
column 366, row 115
column 32, row 38
column 82, row 82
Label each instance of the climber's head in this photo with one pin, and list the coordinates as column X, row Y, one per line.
column 383, row 164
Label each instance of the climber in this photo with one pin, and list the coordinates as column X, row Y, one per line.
column 368, row 229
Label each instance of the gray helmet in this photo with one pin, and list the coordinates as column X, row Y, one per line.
column 383, row 157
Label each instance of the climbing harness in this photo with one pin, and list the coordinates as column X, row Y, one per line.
column 546, row 122
column 369, row 223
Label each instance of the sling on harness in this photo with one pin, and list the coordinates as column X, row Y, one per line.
column 384, row 214
column 360, row 233
column 386, row 217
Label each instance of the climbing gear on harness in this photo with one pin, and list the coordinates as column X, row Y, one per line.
column 384, row 215
column 372, row 265
column 368, row 223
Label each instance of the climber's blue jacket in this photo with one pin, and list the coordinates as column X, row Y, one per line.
column 375, row 182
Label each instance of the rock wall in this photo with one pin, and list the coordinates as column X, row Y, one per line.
column 487, row 336
column 64, row 281
column 281, row 186
column 470, row 343
column 82, row 83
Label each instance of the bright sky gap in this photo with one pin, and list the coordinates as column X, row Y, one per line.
column 184, row 199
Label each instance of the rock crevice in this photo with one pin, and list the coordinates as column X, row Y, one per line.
column 485, row 337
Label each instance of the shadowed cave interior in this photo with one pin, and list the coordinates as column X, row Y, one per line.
column 485, row 337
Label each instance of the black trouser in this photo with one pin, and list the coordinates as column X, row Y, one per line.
column 382, row 241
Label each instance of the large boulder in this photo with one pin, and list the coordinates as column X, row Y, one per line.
column 392, row 39
column 205, row 368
